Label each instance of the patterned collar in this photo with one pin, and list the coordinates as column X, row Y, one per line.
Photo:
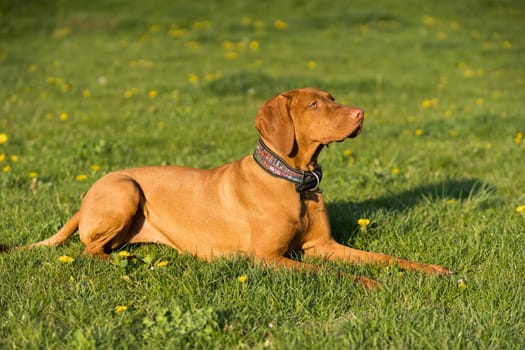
column 274, row 165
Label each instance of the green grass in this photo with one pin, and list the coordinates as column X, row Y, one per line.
column 438, row 169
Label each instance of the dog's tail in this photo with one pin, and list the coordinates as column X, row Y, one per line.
column 57, row 239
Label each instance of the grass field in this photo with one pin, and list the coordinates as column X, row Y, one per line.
column 88, row 87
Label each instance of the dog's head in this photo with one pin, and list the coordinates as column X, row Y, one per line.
column 304, row 119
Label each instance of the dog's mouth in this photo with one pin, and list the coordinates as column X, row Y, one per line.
column 356, row 132
column 353, row 134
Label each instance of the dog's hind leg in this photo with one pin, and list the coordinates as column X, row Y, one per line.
column 108, row 212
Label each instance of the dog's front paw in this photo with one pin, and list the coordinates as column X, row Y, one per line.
column 437, row 269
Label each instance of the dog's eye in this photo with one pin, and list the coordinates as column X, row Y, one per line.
column 313, row 105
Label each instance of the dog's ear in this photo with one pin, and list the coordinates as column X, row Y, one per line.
column 275, row 124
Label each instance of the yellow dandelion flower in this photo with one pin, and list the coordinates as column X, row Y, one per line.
column 121, row 308
column 242, row 278
column 3, row 138
column 33, row 68
column 192, row 44
column 95, row 167
column 66, row 259
column 454, row 25
column 124, row 254
column 6, row 169
column 162, row 263
column 462, row 284
column 395, row 170
column 155, row 28
column 193, row 79
column 231, row 55
column 63, row 116
column 506, row 44
column 14, row 158
column 280, row 24
column 480, row 101
column 202, row 25
column 81, row 177
column 441, row 36
column 364, row 29
column 428, row 21
column 53, row 80
column 311, row 64
column 177, row 33
column 153, row 94
column 33, row 175
column 418, row 132
column 347, row 153
column 468, row 73
column 254, row 45
column 2, row 157
column 520, row 209
column 518, row 139
column 131, row 92
column 228, row 45
column 363, row 223
column 86, row 93
column 426, row 103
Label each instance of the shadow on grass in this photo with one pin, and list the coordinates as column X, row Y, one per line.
column 344, row 215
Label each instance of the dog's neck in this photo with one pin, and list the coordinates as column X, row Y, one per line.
column 276, row 166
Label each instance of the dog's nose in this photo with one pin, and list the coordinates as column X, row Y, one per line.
column 357, row 113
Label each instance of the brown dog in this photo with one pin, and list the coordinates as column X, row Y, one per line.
column 264, row 205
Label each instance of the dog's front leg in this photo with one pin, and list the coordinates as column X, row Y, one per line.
column 318, row 242
column 292, row 265
column 335, row 251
